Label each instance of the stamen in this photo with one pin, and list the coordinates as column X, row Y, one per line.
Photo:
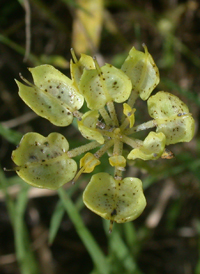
column 133, row 97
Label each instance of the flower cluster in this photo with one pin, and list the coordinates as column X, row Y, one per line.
column 47, row 162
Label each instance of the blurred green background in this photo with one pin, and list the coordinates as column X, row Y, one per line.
column 45, row 232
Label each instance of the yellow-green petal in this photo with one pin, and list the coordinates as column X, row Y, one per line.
column 58, row 85
column 164, row 105
column 112, row 85
column 118, row 201
column 87, row 126
column 143, row 72
column 53, row 97
column 43, row 162
column 92, row 90
column 177, row 128
column 172, row 117
column 76, row 69
column 45, row 105
column 117, row 82
column 152, row 148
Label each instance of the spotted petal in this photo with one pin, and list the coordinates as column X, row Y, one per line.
column 87, row 126
column 43, row 162
column 152, row 148
column 76, row 69
column 112, row 85
column 53, row 96
column 172, row 117
column 119, row 201
column 143, row 72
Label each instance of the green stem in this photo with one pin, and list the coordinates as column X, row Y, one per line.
column 118, row 149
column 104, row 149
column 124, row 124
column 107, row 133
column 91, row 245
column 131, row 142
column 133, row 97
column 79, row 150
column 113, row 114
column 144, row 126
column 105, row 116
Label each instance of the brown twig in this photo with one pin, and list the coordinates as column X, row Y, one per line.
column 28, row 29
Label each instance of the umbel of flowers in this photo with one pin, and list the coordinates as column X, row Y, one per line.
column 47, row 162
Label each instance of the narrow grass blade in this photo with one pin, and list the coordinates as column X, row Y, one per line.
column 121, row 252
column 10, row 135
column 91, row 245
column 58, row 214
column 24, row 253
column 55, row 221
column 19, row 49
